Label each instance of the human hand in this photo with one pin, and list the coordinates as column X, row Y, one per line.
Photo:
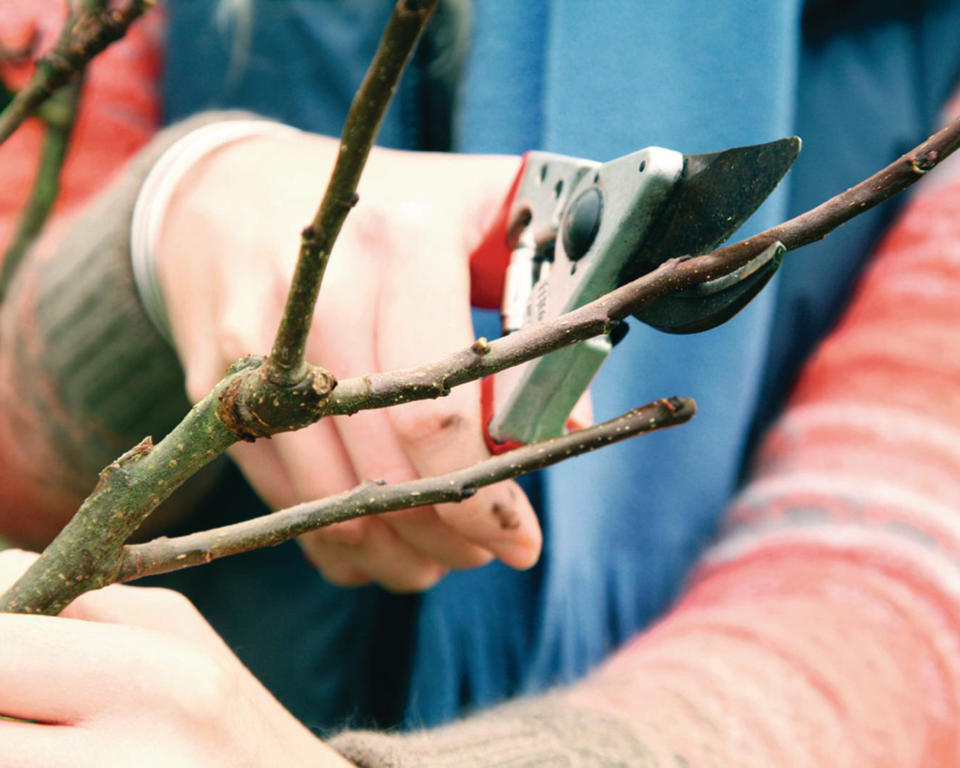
column 136, row 676
column 396, row 294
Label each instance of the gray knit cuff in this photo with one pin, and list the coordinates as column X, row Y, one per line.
column 115, row 377
column 528, row 734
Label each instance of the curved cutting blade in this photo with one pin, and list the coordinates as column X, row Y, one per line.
column 716, row 194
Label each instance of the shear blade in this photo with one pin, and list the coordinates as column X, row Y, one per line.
column 714, row 302
column 716, row 194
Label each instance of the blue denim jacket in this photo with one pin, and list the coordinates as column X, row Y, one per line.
column 860, row 81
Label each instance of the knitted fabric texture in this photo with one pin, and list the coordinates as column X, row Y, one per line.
column 824, row 627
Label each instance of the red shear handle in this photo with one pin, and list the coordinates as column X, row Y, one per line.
column 488, row 263
column 488, row 268
column 487, row 405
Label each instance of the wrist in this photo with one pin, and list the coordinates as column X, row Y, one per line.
column 173, row 173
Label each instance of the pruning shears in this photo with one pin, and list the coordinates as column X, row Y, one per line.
column 571, row 230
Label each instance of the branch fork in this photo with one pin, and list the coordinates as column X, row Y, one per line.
column 258, row 403
column 260, row 397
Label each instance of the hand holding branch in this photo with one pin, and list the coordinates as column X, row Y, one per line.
column 264, row 397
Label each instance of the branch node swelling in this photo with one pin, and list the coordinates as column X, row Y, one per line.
column 481, row 346
column 258, row 403
column 119, row 465
column 920, row 164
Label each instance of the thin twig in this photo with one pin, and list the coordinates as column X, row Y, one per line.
column 246, row 404
column 53, row 579
column 363, row 122
column 163, row 554
column 84, row 35
column 816, row 223
column 437, row 378
column 59, row 115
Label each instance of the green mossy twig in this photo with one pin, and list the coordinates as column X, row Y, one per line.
column 58, row 114
column 86, row 33
column 87, row 553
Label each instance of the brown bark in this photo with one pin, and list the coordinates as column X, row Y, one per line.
column 163, row 554
column 259, row 397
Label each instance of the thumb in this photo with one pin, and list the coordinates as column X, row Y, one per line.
column 582, row 414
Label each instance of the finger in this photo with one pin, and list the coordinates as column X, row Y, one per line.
column 371, row 445
column 261, row 464
column 319, row 467
column 445, row 434
column 191, row 305
column 582, row 414
column 330, row 562
column 248, row 314
column 498, row 518
column 13, row 562
column 153, row 608
column 237, row 321
column 422, row 528
column 244, row 322
column 38, row 745
column 377, row 454
column 162, row 610
column 381, row 555
column 315, row 461
column 59, row 670
column 427, row 532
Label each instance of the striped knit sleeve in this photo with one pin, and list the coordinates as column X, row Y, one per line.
column 824, row 626
column 84, row 374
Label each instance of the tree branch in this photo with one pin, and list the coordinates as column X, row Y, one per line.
column 59, row 114
column 87, row 32
column 163, row 554
column 815, row 224
column 484, row 358
column 249, row 403
column 87, row 553
column 317, row 239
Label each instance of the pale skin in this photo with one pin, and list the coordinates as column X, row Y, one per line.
column 396, row 294
column 136, row 676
